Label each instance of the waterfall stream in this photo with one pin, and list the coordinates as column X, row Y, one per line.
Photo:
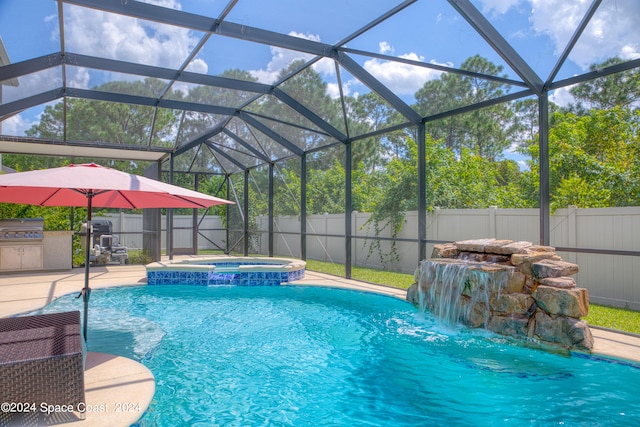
column 460, row 291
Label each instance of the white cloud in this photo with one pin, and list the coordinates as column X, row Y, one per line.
column 403, row 79
column 385, row 48
column 630, row 52
column 333, row 90
column 281, row 58
column 16, row 125
column 171, row 4
column 32, row 84
column 613, row 30
column 124, row 38
column 198, row 65
column 562, row 96
column 78, row 77
column 348, row 89
column 325, row 66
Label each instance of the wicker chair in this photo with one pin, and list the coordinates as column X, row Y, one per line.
column 41, row 362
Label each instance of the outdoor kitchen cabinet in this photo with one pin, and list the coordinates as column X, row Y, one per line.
column 21, row 244
column 21, row 257
column 24, row 246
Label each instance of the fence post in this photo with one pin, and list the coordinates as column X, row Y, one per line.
column 573, row 226
column 435, row 235
column 572, row 232
column 325, row 232
column 492, row 222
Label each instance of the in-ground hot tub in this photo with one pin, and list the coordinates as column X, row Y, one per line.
column 240, row 271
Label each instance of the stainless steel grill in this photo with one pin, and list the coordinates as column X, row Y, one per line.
column 21, row 229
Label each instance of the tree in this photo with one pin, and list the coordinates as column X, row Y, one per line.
column 369, row 113
column 483, row 131
column 195, row 123
column 114, row 123
column 101, row 121
column 25, row 162
column 309, row 88
column 594, row 159
column 614, row 90
column 525, row 124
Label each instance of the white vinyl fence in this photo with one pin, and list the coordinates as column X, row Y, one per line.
column 610, row 279
column 211, row 227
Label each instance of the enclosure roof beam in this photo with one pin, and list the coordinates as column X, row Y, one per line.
column 479, row 105
column 246, row 145
column 289, row 124
column 29, row 66
column 248, row 160
column 164, row 73
column 271, row 38
column 149, row 12
column 14, row 107
column 308, row 114
column 220, row 152
column 384, row 131
column 198, row 140
column 151, row 102
column 437, row 67
column 372, row 83
column 613, row 69
column 270, row 133
column 498, row 43
column 41, row 63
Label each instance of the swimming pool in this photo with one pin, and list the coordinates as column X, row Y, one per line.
column 306, row 356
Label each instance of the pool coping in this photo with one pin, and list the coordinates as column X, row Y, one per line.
column 199, row 263
column 23, row 292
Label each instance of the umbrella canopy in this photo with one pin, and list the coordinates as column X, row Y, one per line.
column 108, row 188
column 93, row 185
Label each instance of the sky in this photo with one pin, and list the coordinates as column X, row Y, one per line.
column 427, row 31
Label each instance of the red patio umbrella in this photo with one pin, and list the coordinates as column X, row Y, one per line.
column 93, row 185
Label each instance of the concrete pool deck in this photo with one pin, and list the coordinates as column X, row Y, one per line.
column 112, row 380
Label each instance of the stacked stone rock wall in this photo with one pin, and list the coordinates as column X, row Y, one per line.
column 516, row 289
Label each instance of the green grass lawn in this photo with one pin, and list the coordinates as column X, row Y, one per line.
column 620, row 319
column 389, row 278
column 607, row 317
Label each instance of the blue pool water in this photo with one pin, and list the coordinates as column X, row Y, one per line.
column 304, row 356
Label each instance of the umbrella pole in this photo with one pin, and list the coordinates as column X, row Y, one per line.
column 86, row 291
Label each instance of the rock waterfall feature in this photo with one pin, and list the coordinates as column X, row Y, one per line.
column 512, row 288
